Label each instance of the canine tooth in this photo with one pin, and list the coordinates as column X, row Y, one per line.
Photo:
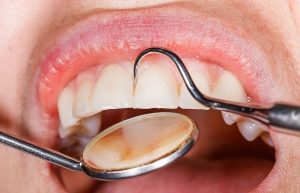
column 267, row 139
column 82, row 104
column 113, row 89
column 250, row 130
column 156, row 87
column 65, row 106
column 230, row 118
column 229, row 88
column 91, row 125
column 200, row 79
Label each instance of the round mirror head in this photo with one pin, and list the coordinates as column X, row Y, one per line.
column 139, row 145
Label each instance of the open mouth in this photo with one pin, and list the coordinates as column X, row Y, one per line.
column 86, row 84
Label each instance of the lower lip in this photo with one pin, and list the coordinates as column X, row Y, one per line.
column 117, row 36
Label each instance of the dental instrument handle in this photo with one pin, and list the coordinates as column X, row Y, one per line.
column 285, row 116
column 46, row 154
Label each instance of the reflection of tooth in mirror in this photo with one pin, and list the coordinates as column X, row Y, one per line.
column 138, row 141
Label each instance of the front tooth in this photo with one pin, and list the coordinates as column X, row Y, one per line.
column 250, row 130
column 200, row 79
column 113, row 89
column 82, row 104
column 156, row 87
column 65, row 106
column 228, row 87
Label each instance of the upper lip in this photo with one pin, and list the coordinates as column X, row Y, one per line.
column 105, row 37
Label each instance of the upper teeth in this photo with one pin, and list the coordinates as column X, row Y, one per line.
column 200, row 78
column 113, row 89
column 230, row 118
column 65, row 106
column 229, row 88
column 82, row 106
column 157, row 86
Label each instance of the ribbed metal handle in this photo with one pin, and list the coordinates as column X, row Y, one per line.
column 285, row 116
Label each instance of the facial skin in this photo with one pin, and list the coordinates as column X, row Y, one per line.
column 28, row 27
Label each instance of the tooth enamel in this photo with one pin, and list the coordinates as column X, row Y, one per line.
column 200, row 79
column 267, row 139
column 229, row 88
column 90, row 126
column 65, row 106
column 82, row 104
column 156, row 87
column 230, row 118
column 113, row 89
column 250, row 130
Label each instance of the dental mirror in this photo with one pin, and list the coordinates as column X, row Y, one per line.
column 130, row 148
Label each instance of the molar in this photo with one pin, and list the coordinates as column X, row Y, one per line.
column 156, row 87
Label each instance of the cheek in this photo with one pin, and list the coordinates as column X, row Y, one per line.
column 21, row 23
column 294, row 6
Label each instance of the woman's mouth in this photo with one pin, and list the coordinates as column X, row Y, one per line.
column 86, row 84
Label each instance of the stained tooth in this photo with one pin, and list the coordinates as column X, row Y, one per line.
column 229, row 88
column 267, row 139
column 65, row 106
column 82, row 104
column 91, row 125
column 156, row 87
column 200, row 79
column 230, row 118
column 113, row 89
column 249, row 129
column 66, row 131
